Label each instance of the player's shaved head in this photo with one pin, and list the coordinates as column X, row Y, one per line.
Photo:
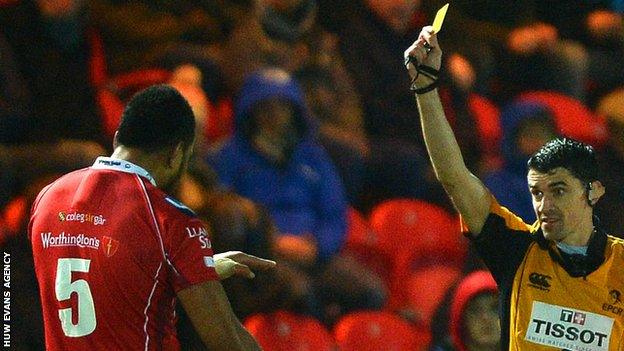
column 156, row 118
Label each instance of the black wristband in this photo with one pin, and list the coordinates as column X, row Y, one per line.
column 426, row 89
column 428, row 72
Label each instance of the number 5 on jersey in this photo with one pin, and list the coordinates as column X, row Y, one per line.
column 65, row 287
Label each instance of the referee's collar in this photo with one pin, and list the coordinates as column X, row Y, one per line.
column 104, row 162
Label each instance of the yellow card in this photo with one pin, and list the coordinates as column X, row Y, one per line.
column 439, row 19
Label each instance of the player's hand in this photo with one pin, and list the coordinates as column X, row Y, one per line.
column 236, row 263
column 425, row 51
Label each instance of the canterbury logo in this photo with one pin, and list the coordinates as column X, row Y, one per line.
column 540, row 281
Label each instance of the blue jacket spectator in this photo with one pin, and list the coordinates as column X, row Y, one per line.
column 274, row 159
column 526, row 127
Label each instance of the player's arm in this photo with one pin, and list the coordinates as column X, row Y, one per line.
column 210, row 312
column 469, row 195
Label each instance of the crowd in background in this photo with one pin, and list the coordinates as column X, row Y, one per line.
column 308, row 146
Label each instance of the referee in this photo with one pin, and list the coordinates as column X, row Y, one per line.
column 560, row 279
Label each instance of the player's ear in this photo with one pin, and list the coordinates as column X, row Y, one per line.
column 176, row 155
column 115, row 140
column 595, row 192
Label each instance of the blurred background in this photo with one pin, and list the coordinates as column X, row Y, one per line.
column 309, row 147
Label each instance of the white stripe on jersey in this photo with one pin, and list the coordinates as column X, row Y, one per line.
column 149, row 302
column 149, row 205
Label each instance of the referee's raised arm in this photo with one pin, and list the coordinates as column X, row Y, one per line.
column 469, row 195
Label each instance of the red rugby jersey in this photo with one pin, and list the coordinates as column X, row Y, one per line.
column 110, row 251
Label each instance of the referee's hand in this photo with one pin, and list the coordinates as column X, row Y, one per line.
column 424, row 51
column 237, row 263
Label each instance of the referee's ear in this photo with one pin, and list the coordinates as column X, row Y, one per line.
column 595, row 192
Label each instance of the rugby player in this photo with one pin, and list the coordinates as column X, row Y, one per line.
column 114, row 252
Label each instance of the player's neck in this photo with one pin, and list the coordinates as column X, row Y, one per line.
column 150, row 162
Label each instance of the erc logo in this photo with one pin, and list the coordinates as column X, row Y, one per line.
column 615, row 298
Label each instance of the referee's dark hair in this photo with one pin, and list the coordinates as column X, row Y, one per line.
column 156, row 118
column 578, row 158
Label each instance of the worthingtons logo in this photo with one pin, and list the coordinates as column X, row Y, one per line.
column 81, row 217
column 566, row 328
column 65, row 239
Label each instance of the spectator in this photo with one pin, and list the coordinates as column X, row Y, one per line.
column 136, row 33
column 612, row 107
column 370, row 41
column 599, row 27
column 15, row 97
column 471, row 322
column 346, row 147
column 239, row 48
column 49, row 44
column 523, row 51
column 526, row 127
column 275, row 160
column 238, row 224
column 287, row 23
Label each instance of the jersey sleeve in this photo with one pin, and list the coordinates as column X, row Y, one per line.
column 189, row 253
column 33, row 208
column 502, row 242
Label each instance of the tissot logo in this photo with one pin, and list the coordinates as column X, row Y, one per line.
column 569, row 329
column 572, row 317
column 540, row 281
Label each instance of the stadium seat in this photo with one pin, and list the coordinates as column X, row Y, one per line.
column 362, row 243
column 286, row 331
column 221, row 125
column 12, row 216
column 487, row 120
column 378, row 330
column 98, row 71
column 111, row 97
column 359, row 232
column 416, row 234
column 406, row 226
column 426, row 289
column 8, row 3
column 131, row 82
column 573, row 119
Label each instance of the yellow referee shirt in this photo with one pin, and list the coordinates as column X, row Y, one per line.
column 552, row 300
